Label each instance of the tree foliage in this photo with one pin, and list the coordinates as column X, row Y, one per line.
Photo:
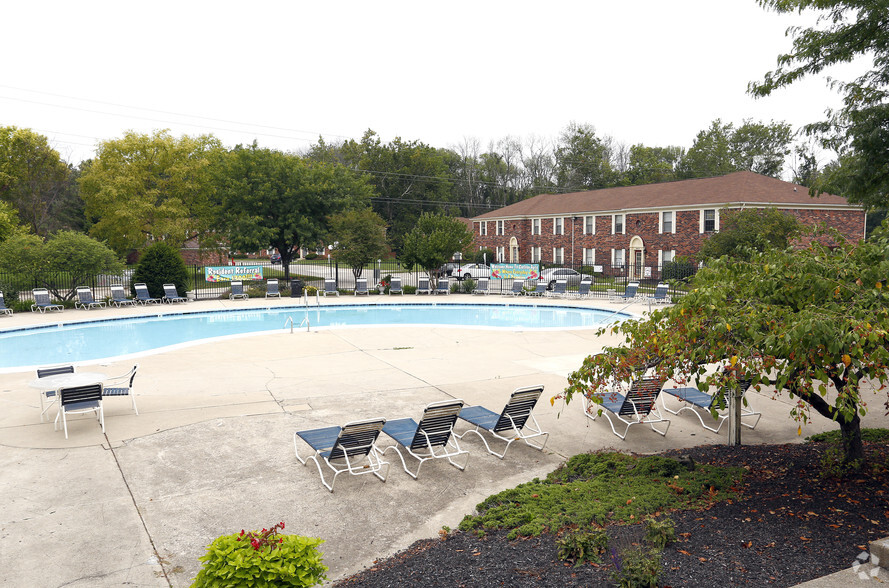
column 583, row 160
column 845, row 30
column 744, row 232
column 361, row 238
column 723, row 149
column 812, row 323
column 143, row 188
column 267, row 198
column 433, row 241
column 161, row 264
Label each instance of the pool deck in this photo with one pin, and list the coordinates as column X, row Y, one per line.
column 211, row 451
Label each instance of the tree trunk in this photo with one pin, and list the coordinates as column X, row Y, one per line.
column 853, row 448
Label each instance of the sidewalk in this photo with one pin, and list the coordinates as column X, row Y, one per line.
column 211, row 451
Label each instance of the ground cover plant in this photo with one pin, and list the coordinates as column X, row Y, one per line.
column 786, row 523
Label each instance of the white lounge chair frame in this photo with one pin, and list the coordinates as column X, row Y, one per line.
column 42, row 301
column 3, row 308
column 361, row 286
column 699, row 404
column 271, row 288
column 85, row 299
column 79, row 400
column 481, row 287
column 143, row 297
column 518, row 288
column 171, row 295
column 395, row 286
column 119, row 296
column 637, row 407
column 353, row 444
column 515, row 419
column 432, row 438
column 237, row 291
column 560, row 289
column 443, row 286
column 330, row 287
column 122, row 386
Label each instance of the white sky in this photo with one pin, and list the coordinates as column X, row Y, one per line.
column 283, row 73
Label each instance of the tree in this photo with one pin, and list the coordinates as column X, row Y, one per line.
column 650, row 165
column 270, row 198
column 845, row 30
column 9, row 221
column 361, row 237
column 744, row 232
column 67, row 252
column 35, row 180
column 433, row 241
column 161, row 264
column 583, row 160
column 143, row 188
column 723, row 149
column 812, row 322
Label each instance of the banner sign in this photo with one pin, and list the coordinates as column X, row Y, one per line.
column 515, row 271
column 227, row 273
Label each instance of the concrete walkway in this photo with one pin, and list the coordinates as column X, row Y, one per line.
column 211, row 451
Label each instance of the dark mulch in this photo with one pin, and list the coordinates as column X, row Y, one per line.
column 788, row 526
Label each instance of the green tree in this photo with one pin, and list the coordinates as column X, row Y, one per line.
column 35, row 180
column 361, row 238
column 743, row 232
column 811, row 322
column 143, row 188
column 650, row 165
column 723, row 149
column 9, row 221
column 433, row 241
column 270, row 198
column 845, row 30
column 22, row 253
column 583, row 160
column 161, row 264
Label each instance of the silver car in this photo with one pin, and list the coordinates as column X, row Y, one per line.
column 472, row 270
column 573, row 277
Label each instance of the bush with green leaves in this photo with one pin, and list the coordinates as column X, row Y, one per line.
column 161, row 264
column 580, row 547
column 636, row 567
column 261, row 559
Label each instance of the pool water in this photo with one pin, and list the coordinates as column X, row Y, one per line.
column 87, row 341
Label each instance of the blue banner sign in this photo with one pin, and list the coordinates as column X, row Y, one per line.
column 227, row 273
column 515, row 271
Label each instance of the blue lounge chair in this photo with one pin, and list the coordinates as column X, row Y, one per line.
column 509, row 425
column 85, row 299
column 431, row 438
column 481, row 287
column 583, row 290
column 350, row 448
column 271, row 288
column 560, row 289
column 122, row 386
column 3, row 308
column 701, row 404
column 171, row 295
column 42, row 301
column 629, row 294
column 518, row 288
column 395, row 286
column 423, row 286
column 78, row 400
column 238, row 291
column 660, row 294
column 539, row 289
column 51, row 395
column 361, row 286
column 443, row 286
column 119, row 297
column 330, row 288
column 636, row 407
column 142, row 295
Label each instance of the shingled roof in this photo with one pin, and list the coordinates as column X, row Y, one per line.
column 734, row 189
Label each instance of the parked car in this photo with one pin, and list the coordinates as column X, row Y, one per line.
column 559, row 273
column 447, row 269
column 275, row 258
column 472, row 270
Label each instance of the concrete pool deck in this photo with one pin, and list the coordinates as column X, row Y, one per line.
column 211, row 450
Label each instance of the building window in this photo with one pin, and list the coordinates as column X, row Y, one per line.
column 501, row 254
column 535, row 226
column 535, row 255
column 483, row 228
column 558, row 226
column 709, row 221
column 618, row 258
column 617, row 224
column 667, row 222
column 559, row 255
column 589, row 225
column 499, row 229
column 665, row 257
column 589, row 256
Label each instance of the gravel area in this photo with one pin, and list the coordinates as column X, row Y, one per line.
column 789, row 525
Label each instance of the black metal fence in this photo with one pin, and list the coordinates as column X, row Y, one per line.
column 606, row 280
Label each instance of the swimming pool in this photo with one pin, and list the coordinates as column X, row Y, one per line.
column 93, row 340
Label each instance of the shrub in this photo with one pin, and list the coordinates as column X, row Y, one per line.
column 262, row 559
column 468, row 285
column 161, row 264
column 679, row 269
column 409, row 289
column 636, row 567
column 661, row 533
column 311, row 256
column 583, row 546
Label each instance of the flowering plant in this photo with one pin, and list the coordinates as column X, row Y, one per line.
column 263, row 559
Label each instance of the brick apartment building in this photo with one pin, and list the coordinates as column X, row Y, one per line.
column 634, row 227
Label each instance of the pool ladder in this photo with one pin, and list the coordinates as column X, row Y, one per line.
column 305, row 322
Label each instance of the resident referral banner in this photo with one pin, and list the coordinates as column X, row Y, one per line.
column 514, row 271
column 227, row 273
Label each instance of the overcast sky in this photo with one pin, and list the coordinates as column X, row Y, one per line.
column 283, row 73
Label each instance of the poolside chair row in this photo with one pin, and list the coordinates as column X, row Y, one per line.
column 353, row 448
column 638, row 405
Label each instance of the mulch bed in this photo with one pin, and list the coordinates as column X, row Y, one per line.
column 789, row 525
